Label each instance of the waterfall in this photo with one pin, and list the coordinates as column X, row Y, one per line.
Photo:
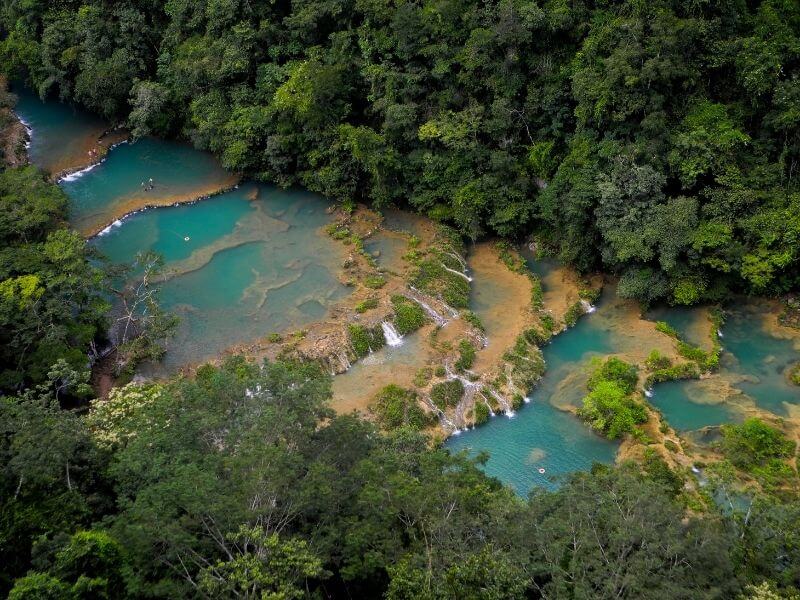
column 458, row 258
column 459, row 273
column 649, row 393
column 390, row 333
column 587, row 306
column 438, row 319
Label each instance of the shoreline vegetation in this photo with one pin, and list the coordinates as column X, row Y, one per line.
column 249, row 476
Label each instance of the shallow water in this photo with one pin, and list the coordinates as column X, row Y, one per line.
column 354, row 389
column 114, row 188
column 688, row 322
column 60, row 134
column 689, row 405
column 759, row 357
column 248, row 268
column 541, row 435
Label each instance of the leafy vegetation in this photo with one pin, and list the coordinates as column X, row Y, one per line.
column 408, row 315
column 754, row 443
column 447, row 393
column 397, row 407
column 365, row 339
column 610, row 406
column 656, row 140
column 466, row 355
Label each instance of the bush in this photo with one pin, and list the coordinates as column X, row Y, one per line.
column 794, row 373
column 548, row 322
column 682, row 371
column 573, row 313
column 397, row 407
column 423, row 377
column 655, row 360
column 274, row 338
column 466, row 356
column 366, row 304
column 618, row 371
column 408, row 315
column 609, row 410
column 481, row 413
column 365, row 340
column 473, row 319
column 447, row 393
column 754, row 444
column 535, row 337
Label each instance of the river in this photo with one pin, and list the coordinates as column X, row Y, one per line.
column 252, row 259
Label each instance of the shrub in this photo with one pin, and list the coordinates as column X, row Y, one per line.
column 365, row 340
column 754, row 443
column 408, row 315
column 480, row 413
column 573, row 313
column 609, row 410
column 794, row 373
column 681, row 371
column 466, row 358
column 537, row 293
column 618, row 371
column 423, row 376
column 655, row 360
column 535, row 337
column 274, row 338
column 473, row 319
column 397, row 407
column 366, row 304
column 548, row 322
column 439, row 371
column 447, row 393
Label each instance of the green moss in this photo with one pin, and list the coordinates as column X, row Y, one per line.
column 366, row 304
column 408, row 315
column 375, row 281
column 363, row 340
column 447, row 393
column 274, row 338
column 397, row 407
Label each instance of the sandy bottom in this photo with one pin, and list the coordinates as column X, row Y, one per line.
column 503, row 298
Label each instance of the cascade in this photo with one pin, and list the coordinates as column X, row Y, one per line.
column 390, row 334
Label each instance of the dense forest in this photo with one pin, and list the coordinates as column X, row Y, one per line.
column 240, row 482
column 657, row 140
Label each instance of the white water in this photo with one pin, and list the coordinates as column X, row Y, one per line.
column 78, row 174
column 459, row 273
column 390, row 334
column 588, row 308
column 108, row 229
column 438, row 319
